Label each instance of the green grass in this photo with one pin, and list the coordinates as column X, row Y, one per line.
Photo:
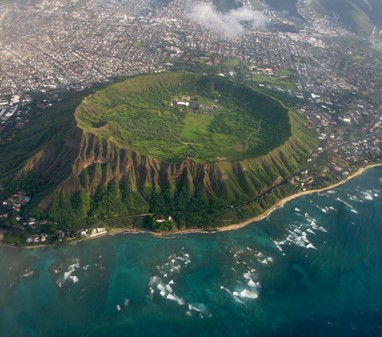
column 377, row 47
column 283, row 79
column 137, row 114
column 226, row 5
column 197, row 126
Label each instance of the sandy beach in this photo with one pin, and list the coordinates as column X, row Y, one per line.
column 291, row 197
column 249, row 221
column 115, row 231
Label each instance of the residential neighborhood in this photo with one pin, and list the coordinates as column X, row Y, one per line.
column 321, row 69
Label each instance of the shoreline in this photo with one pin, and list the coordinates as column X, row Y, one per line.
column 114, row 231
column 294, row 196
column 117, row 230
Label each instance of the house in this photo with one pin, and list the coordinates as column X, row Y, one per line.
column 174, row 102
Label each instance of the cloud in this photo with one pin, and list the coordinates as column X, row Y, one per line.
column 228, row 24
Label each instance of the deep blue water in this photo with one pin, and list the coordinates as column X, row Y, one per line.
column 312, row 268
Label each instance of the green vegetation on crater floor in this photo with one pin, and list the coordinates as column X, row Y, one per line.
column 124, row 153
column 215, row 120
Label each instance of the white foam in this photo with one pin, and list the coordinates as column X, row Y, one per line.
column 171, row 297
column 28, row 273
column 174, row 264
column 175, row 298
column 367, row 195
column 278, row 244
column 311, row 246
column 354, row 211
column 233, row 294
column 154, row 280
column 267, row 260
column 299, row 241
column 71, row 269
column 304, row 237
column 345, row 203
column 248, row 294
column 247, row 275
column 353, row 198
column 313, row 224
column 227, row 290
column 68, row 275
column 176, row 268
column 198, row 307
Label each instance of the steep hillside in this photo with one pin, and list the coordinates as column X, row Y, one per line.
column 288, row 6
column 82, row 173
column 360, row 16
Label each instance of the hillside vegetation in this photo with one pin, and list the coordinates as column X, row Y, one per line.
column 137, row 114
column 94, row 168
column 360, row 16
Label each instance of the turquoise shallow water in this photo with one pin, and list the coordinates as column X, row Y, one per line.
column 312, row 268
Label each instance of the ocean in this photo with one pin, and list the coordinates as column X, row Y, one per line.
column 313, row 267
